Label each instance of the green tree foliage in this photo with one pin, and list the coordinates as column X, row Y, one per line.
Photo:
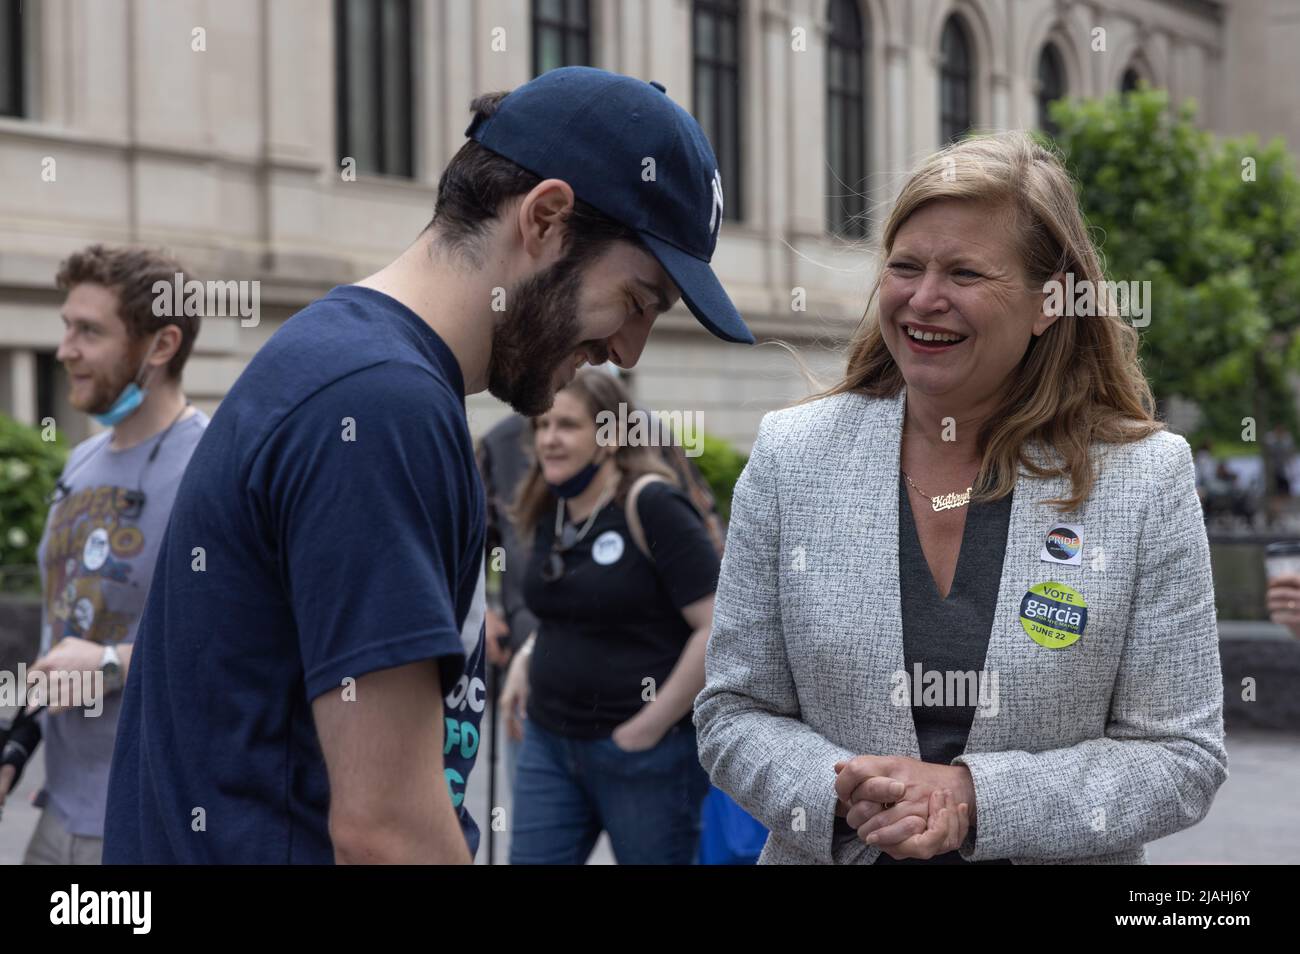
column 721, row 464
column 1215, row 227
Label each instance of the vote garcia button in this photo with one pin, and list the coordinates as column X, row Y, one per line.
column 1053, row 614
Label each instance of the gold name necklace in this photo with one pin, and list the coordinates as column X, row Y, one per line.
column 943, row 501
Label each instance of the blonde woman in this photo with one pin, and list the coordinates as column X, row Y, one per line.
column 965, row 612
column 621, row 581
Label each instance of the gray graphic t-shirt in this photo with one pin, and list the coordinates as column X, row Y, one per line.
column 97, row 559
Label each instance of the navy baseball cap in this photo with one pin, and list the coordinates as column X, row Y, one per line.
column 596, row 130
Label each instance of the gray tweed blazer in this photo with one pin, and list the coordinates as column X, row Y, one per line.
column 1096, row 747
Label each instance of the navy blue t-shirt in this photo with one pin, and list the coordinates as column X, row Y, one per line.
column 330, row 524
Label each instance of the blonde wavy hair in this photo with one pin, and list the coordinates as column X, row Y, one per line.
column 1080, row 382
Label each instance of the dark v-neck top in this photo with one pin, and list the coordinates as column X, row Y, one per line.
column 948, row 635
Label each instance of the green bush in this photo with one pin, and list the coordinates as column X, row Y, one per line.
column 29, row 468
column 721, row 464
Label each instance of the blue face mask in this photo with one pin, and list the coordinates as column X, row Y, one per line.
column 129, row 401
column 577, row 483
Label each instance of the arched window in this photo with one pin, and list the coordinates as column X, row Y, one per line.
column 955, row 81
column 561, row 34
column 846, row 121
column 1051, row 86
column 1129, row 81
column 715, row 44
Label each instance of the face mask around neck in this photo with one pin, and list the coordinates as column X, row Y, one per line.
column 132, row 396
column 567, row 489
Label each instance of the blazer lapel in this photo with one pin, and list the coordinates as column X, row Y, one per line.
column 888, row 729
column 1008, row 646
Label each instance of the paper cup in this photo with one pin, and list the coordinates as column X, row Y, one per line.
column 1281, row 559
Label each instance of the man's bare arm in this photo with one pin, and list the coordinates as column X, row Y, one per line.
column 389, row 801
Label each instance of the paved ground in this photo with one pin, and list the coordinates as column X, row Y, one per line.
column 1255, row 818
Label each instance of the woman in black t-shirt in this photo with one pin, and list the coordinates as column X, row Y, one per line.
column 602, row 693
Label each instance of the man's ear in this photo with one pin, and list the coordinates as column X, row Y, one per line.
column 542, row 215
column 1052, row 303
column 169, row 342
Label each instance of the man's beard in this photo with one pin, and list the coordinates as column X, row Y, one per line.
column 107, row 389
column 539, row 335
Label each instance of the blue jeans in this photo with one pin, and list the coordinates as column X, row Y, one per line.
column 568, row 790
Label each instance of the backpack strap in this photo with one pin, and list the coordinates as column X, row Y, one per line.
column 633, row 517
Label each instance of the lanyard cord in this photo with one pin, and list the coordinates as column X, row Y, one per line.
column 139, row 481
column 61, row 485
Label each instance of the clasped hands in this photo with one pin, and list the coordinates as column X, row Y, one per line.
column 906, row 807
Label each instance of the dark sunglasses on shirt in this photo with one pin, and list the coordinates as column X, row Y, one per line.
column 553, row 568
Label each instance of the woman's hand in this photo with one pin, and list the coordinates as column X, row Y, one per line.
column 1284, row 601
column 514, row 694
column 872, row 795
column 867, row 782
column 637, row 734
column 942, row 831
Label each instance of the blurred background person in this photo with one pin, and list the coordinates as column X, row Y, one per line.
column 1279, row 448
column 621, row 580
column 505, row 455
column 107, row 517
column 1203, row 461
column 503, row 461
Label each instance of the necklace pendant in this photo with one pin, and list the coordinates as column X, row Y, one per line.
column 950, row 501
